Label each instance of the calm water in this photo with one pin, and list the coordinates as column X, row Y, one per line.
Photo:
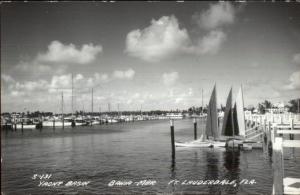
column 133, row 152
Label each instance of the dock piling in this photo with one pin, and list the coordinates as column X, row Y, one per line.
column 278, row 166
column 195, row 129
column 292, row 128
column 172, row 138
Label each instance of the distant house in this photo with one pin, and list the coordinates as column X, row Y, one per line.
column 278, row 108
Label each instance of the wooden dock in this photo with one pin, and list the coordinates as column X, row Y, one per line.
column 274, row 126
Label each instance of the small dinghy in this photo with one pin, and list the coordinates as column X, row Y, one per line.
column 194, row 144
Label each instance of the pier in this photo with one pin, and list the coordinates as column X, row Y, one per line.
column 274, row 127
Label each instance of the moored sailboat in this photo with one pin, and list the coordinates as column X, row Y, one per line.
column 210, row 136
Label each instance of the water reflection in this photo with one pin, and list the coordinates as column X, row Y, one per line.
column 232, row 165
column 212, row 170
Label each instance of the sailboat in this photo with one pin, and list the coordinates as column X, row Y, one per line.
column 210, row 135
column 233, row 127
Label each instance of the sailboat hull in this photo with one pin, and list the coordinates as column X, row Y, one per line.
column 194, row 144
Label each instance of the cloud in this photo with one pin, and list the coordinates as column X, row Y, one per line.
column 217, row 15
column 294, row 81
column 296, row 58
column 30, row 86
column 164, row 38
column 60, row 53
column 7, row 78
column 128, row 74
column 61, row 82
column 210, row 43
column 160, row 40
column 101, row 77
column 170, row 78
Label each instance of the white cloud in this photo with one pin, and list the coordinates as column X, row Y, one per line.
column 30, row 86
column 296, row 58
column 294, row 81
column 210, row 43
column 7, row 78
column 101, row 77
column 217, row 15
column 170, row 78
column 128, row 74
column 60, row 53
column 60, row 82
column 164, row 38
column 160, row 40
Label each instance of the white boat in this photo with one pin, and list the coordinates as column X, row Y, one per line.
column 80, row 122
column 57, row 123
column 211, row 128
column 26, row 126
column 234, row 124
column 194, row 144
column 174, row 115
column 95, row 122
column 111, row 120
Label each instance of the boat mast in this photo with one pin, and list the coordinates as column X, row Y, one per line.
column 232, row 124
column 243, row 105
column 62, row 105
column 92, row 100
column 72, row 96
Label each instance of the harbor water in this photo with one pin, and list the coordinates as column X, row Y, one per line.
column 130, row 152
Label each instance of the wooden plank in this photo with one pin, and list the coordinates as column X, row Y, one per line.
column 278, row 166
column 288, row 189
column 288, row 131
column 291, row 143
column 253, row 133
column 255, row 136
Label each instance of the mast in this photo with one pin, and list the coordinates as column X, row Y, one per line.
column 243, row 106
column 62, row 105
column 72, row 96
column 202, row 103
column 92, row 100
column 108, row 106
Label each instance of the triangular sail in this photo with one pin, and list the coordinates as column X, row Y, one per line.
column 235, row 121
column 240, row 116
column 212, row 116
column 227, row 127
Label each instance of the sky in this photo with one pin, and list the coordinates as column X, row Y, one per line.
column 146, row 55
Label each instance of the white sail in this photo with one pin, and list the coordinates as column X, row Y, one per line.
column 212, row 116
column 239, row 105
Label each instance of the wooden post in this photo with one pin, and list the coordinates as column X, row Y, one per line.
column 278, row 166
column 269, row 135
column 273, row 135
column 265, row 130
column 15, row 126
column 292, row 128
column 54, row 123
column 260, row 120
column 255, row 123
column 172, row 138
column 22, row 125
column 195, row 129
column 63, row 122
